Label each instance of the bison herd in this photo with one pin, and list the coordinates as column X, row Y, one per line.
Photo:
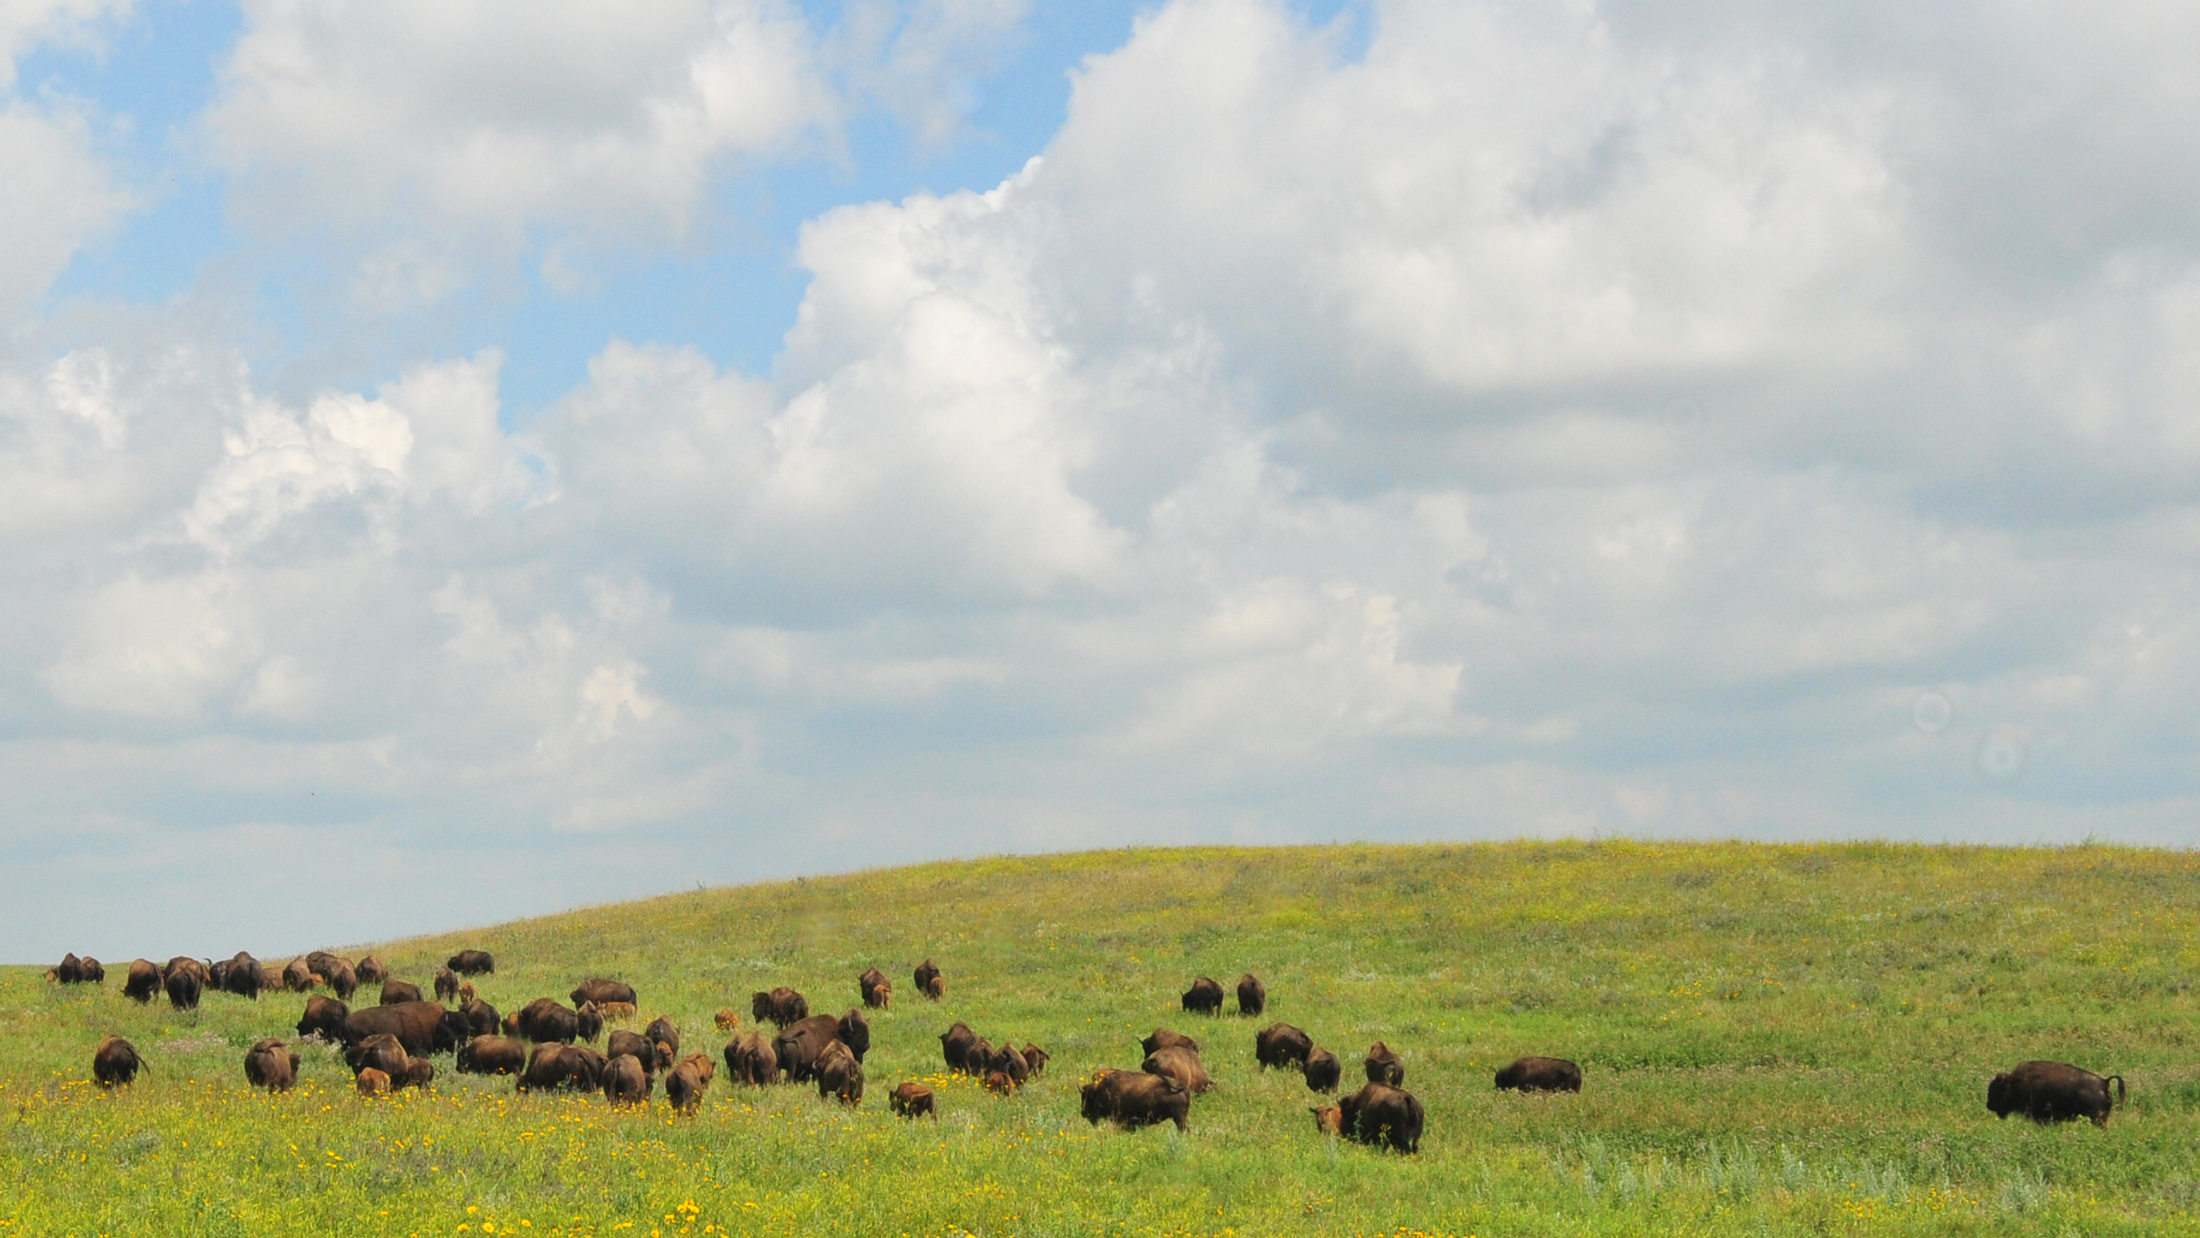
column 547, row 1045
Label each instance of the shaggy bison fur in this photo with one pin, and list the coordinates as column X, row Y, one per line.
column 1540, row 1074
column 1204, row 997
column 2053, row 1092
column 1280, row 1044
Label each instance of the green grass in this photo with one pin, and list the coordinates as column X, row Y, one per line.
column 1777, row 1040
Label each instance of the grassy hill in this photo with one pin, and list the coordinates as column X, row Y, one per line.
column 1776, row 1040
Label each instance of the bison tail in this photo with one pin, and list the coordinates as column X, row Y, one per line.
column 2118, row 1080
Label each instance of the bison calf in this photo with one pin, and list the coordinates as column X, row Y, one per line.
column 372, row 1082
column 912, row 1100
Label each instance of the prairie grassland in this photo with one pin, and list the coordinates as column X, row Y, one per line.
column 1777, row 1040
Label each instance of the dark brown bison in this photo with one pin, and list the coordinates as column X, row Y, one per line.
column 1204, row 997
column 1379, row 1113
column 381, row 1051
column 324, row 964
column 271, row 1065
column 472, row 963
column 654, row 1055
column 70, row 970
column 324, row 1017
column 481, row 1017
column 2053, row 1092
column 271, row 978
column 1323, row 1070
column 1280, row 1044
column 601, row 992
column 752, row 1060
column 875, row 989
column 1384, row 1066
column 926, row 973
column 422, row 1027
column 661, row 1031
column 978, row 1058
column 143, row 982
column 183, row 988
column 684, row 1085
column 912, row 1100
column 553, row 1066
column 998, row 1083
column 419, row 1073
column 1252, row 995
column 343, row 981
column 1182, row 1065
column 544, row 1020
column 492, row 1055
column 1328, row 1119
column 625, row 1082
column 1133, row 1099
column 587, row 1066
column 839, row 1075
column 298, row 976
column 799, row 1045
column 446, row 984
column 395, row 991
column 1009, row 1061
column 1163, row 1038
column 243, row 976
column 1036, row 1058
column 372, row 970
column 955, row 1042
column 936, row 988
column 115, row 1060
column 781, row 1007
column 1540, row 1074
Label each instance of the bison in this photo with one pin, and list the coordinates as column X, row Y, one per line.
column 926, row 973
column 372, row 970
column 324, row 964
column 298, row 976
column 726, row 1020
column 601, row 991
column 955, row 1042
column 492, row 1055
column 115, row 1060
column 372, row 1082
column 446, row 985
column 752, row 1060
column 1323, row 1070
column 380, row 1051
column 684, row 1086
column 183, row 988
column 1163, row 1038
column 1035, row 1058
column 343, row 982
column 422, row 1027
column 2053, row 1092
column 662, row 1031
column 875, row 989
column 912, row 1100
column 1009, row 1061
column 1134, row 1099
column 1280, row 1044
column 1252, row 995
column 613, row 1012
column 625, row 1082
column 1540, row 1074
column 936, row 988
column 1379, row 1113
column 243, row 976
column 271, row 1065
column 69, row 970
column 1179, row 1064
column 143, row 982
column 395, row 991
column 544, row 1020
column 654, row 1055
column 472, row 963
column 1328, row 1119
column 561, row 1066
column 782, row 1007
column 799, row 1045
column 998, row 1083
column 324, row 1017
column 839, row 1075
column 419, row 1073
column 1204, row 997
column 1384, row 1066
column 481, row 1017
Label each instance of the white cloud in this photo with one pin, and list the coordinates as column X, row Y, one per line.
column 56, row 195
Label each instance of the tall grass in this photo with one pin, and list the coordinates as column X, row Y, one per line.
column 1777, row 1040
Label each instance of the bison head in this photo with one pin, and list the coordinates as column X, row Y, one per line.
column 855, row 1032
column 452, row 1030
column 1997, row 1096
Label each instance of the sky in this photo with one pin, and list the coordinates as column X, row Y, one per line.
column 461, row 459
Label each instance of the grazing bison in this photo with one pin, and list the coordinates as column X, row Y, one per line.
column 298, row 976
column 752, row 1060
column 1008, row 1061
column 543, row 1020
column 2053, row 1092
column 912, row 1100
column 662, row 1031
column 978, row 1058
column 1379, row 1113
column 243, row 976
column 553, row 1066
column 324, row 1017
column 1323, row 1070
column 1540, row 1074
column 1384, row 1066
column 372, row 970
column 1182, row 1065
column 875, row 989
column 1163, row 1038
column 998, row 1083
column 625, row 1082
column 69, row 970
column 1328, row 1119
column 726, row 1020
column 839, row 1075
column 183, row 988
column 446, row 985
column 1252, row 995
column 955, row 1042
column 343, row 982
column 143, row 982
column 926, row 973
column 419, row 1073
column 422, row 1027
column 481, row 1017
column 684, row 1086
column 1134, row 1099
column 1280, row 1044
column 601, row 991
column 613, row 1012
column 115, row 1060
column 271, row 1065
column 936, row 988
column 782, row 1007
column 381, row 1051
column 395, row 991
column 1204, row 997
column 271, row 978
column 654, row 1055
column 1036, row 1058
column 324, row 964
column 472, row 963
column 799, row 1045
column 372, row 1082
column 492, row 1055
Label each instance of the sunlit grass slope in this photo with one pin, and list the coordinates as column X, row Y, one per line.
column 1776, row 1040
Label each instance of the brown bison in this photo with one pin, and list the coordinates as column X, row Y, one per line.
column 781, row 1007
column 654, row 1055
column 978, row 1058
column 662, row 1031
column 1163, row 1038
column 422, row 1027
column 271, row 1065
column 600, row 991
column 70, row 970
column 1379, row 1113
column 324, row 1018
column 1384, row 1066
column 2053, row 1092
column 271, row 978
column 998, row 1083
column 372, row 970
column 395, row 991
column 912, row 1100
column 955, row 1042
column 372, row 1082
column 1252, row 995
column 381, row 1051
column 1328, row 1119
column 543, row 1020
column 1280, row 1044
column 492, row 1055
column 298, row 976
column 684, row 1086
column 472, row 963
column 324, row 964
column 799, row 1045
column 115, row 1060
column 183, row 986
column 553, row 1066
column 1323, row 1070
column 419, row 1073
column 243, row 976
column 143, row 982
column 726, row 1020
column 1133, row 1099
column 839, row 1075
column 446, row 984
column 481, row 1017
column 875, row 989
column 936, row 988
column 926, row 973
column 1204, row 997
column 1009, row 1061
column 1540, row 1074
column 1182, row 1065
column 752, row 1060
column 625, row 1082
column 1036, row 1058
column 343, row 982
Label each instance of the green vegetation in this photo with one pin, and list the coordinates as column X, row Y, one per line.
column 1776, row 1040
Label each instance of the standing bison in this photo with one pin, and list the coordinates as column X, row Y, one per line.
column 913, row 1100
column 1133, row 1099
column 115, row 1060
column 1384, row 1066
column 492, row 1055
column 1252, row 995
column 143, row 982
column 243, row 976
column 955, row 1044
column 626, row 1083
column 1182, row 1065
column 1540, row 1074
column 603, row 992
column 875, row 989
column 781, row 1007
column 271, row 1065
column 1323, row 1070
column 395, row 991
column 324, row 1017
column 1204, row 997
column 472, row 963
column 1379, row 1113
column 2053, row 1092
column 752, row 1060
column 1280, row 1044
column 927, row 972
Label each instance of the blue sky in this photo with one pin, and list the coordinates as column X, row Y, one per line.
column 464, row 459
